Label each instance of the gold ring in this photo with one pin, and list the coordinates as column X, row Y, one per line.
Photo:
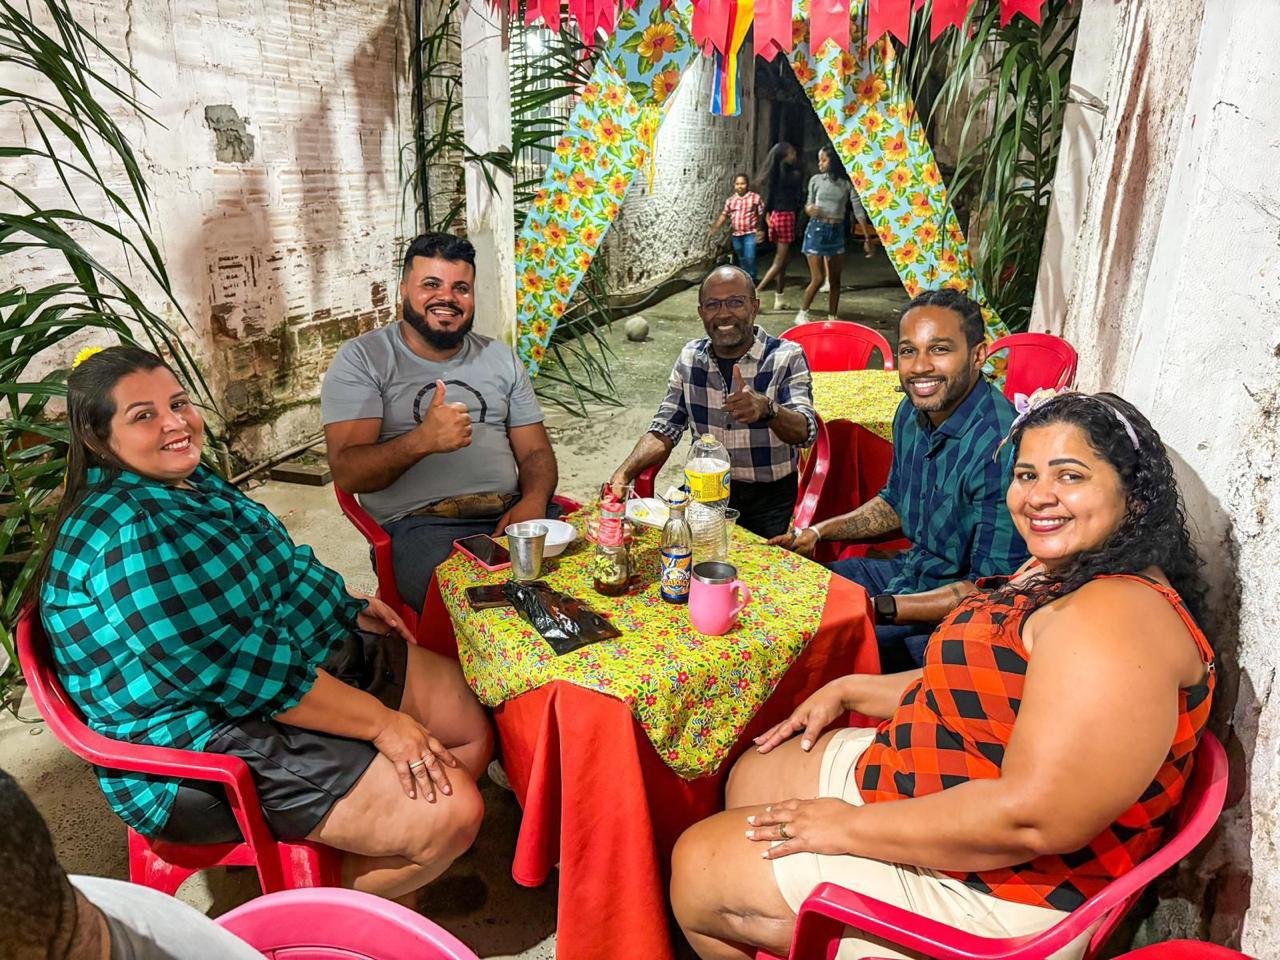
column 782, row 829
column 417, row 763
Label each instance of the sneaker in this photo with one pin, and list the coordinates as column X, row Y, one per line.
column 498, row 775
column 778, row 302
column 831, row 316
column 802, row 316
column 826, row 286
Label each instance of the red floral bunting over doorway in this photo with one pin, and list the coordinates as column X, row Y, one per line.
column 713, row 19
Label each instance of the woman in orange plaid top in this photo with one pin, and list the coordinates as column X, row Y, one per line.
column 1037, row 755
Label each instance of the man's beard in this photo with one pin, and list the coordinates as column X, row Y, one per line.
column 436, row 339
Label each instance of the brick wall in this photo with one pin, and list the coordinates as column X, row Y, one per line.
column 276, row 186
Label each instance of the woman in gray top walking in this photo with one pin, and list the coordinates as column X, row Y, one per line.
column 830, row 196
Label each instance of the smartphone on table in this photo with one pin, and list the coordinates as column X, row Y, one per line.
column 490, row 595
column 485, row 550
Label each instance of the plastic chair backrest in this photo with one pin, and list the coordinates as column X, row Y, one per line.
column 383, row 565
column 1035, row 360
column 813, row 477
column 829, row 908
column 278, row 865
column 838, row 345
column 336, row 924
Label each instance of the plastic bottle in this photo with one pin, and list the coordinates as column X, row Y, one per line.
column 677, row 553
column 706, row 474
column 611, row 571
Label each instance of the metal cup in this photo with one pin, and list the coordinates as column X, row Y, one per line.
column 525, row 542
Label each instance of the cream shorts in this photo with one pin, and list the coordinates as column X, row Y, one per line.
column 926, row 892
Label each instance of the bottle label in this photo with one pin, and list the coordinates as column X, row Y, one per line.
column 677, row 571
column 709, row 486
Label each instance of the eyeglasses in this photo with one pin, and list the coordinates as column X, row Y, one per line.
column 732, row 304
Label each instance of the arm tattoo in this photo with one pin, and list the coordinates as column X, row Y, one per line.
column 873, row 518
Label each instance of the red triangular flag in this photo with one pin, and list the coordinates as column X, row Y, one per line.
column 829, row 19
column 893, row 16
column 948, row 13
column 1028, row 8
column 772, row 28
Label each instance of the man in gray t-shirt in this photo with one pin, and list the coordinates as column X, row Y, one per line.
column 436, row 428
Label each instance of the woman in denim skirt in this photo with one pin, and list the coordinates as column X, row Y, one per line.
column 830, row 197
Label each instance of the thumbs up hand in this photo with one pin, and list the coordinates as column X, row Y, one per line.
column 447, row 426
column 744, row 404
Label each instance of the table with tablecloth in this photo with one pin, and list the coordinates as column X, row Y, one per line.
column 857, row 407
column 614, row 749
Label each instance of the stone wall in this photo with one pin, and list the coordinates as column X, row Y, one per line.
column 1174, row 302
column 276, row 189
column 662, row 230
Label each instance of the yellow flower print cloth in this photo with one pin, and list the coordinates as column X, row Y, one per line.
column 866, row 397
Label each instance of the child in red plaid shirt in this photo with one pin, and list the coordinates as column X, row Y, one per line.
column 745, row 209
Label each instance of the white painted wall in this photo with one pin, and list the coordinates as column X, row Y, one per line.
column 280, row 257
column 1174, row 302
column 662, row 231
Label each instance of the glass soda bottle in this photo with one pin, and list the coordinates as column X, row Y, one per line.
column 706, row 474
column 611, row 570
column 677, row 553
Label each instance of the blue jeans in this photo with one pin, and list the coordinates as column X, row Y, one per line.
column 744, row 251
column 901, row 644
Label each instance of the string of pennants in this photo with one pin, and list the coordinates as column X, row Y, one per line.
column 716, row 23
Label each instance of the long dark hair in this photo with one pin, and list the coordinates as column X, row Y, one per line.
column 1154, row 531
column 835, row 166
column 770, row 173
column 90, row 407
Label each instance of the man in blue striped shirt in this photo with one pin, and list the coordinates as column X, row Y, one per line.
column 946, row 489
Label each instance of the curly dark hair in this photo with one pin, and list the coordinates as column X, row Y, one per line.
column 1154, row 531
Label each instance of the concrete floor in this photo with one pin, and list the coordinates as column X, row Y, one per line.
column 477, row 899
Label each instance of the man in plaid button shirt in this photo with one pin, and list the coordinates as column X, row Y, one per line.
column 751, row 390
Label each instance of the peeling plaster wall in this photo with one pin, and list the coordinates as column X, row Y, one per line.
column 1175, row 303
column 275, row 185
column 661, row 232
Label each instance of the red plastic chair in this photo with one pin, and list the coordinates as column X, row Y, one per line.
column 838, row 345
column 814, row 465
column 1035, row 360
column 155, row 863
column 829, row 909
column 1183, row 950
column 340, row 925
column 380, row 540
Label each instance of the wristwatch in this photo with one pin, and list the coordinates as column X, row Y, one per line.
column 771, row 411
column 886, row 607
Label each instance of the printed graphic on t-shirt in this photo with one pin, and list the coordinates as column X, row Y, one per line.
column 423, row 399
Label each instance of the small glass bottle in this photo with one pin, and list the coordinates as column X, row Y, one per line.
column 677, row 553
column 611, row 570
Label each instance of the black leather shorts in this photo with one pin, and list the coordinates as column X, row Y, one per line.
column 300, row 774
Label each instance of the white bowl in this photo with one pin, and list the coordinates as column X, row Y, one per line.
column 559, row 536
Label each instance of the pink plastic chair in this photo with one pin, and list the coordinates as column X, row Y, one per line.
column 814, row 465
column 1183, row 950
column 1035, row 360
column 380, row 540
column 340, row 925
column 155, row 863
column 838, row 345
column 829, row 909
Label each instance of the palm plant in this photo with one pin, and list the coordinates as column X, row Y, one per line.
column 1014, row 79
column 547, row 69
column 63, row 90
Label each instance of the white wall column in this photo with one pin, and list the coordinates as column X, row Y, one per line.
column 486, row 126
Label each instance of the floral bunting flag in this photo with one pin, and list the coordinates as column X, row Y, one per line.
column 609, row 137
column 873, row 125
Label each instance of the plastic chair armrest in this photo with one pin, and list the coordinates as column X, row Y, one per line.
column 829, row 902
column 567, row 505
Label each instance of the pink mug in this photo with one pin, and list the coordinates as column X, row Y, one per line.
column 714, row 602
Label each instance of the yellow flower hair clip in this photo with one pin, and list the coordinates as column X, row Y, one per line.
column 84, row 355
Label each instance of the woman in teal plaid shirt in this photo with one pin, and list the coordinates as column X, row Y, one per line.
column 183, row 615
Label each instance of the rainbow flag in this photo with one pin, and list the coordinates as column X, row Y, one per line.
column 725, row 100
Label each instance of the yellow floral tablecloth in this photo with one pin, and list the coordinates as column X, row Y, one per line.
column 692, row 695
column 866, row 397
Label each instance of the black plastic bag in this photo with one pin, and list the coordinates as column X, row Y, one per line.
column 565, row 622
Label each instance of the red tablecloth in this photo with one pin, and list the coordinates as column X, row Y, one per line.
column 860, row 463
column 599, row 801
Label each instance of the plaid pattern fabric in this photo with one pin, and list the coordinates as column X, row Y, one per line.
column 744, row 212
column 954, row 724
column 950, row 493
column 171, row 611
column 695, row 401
column 782, row 226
